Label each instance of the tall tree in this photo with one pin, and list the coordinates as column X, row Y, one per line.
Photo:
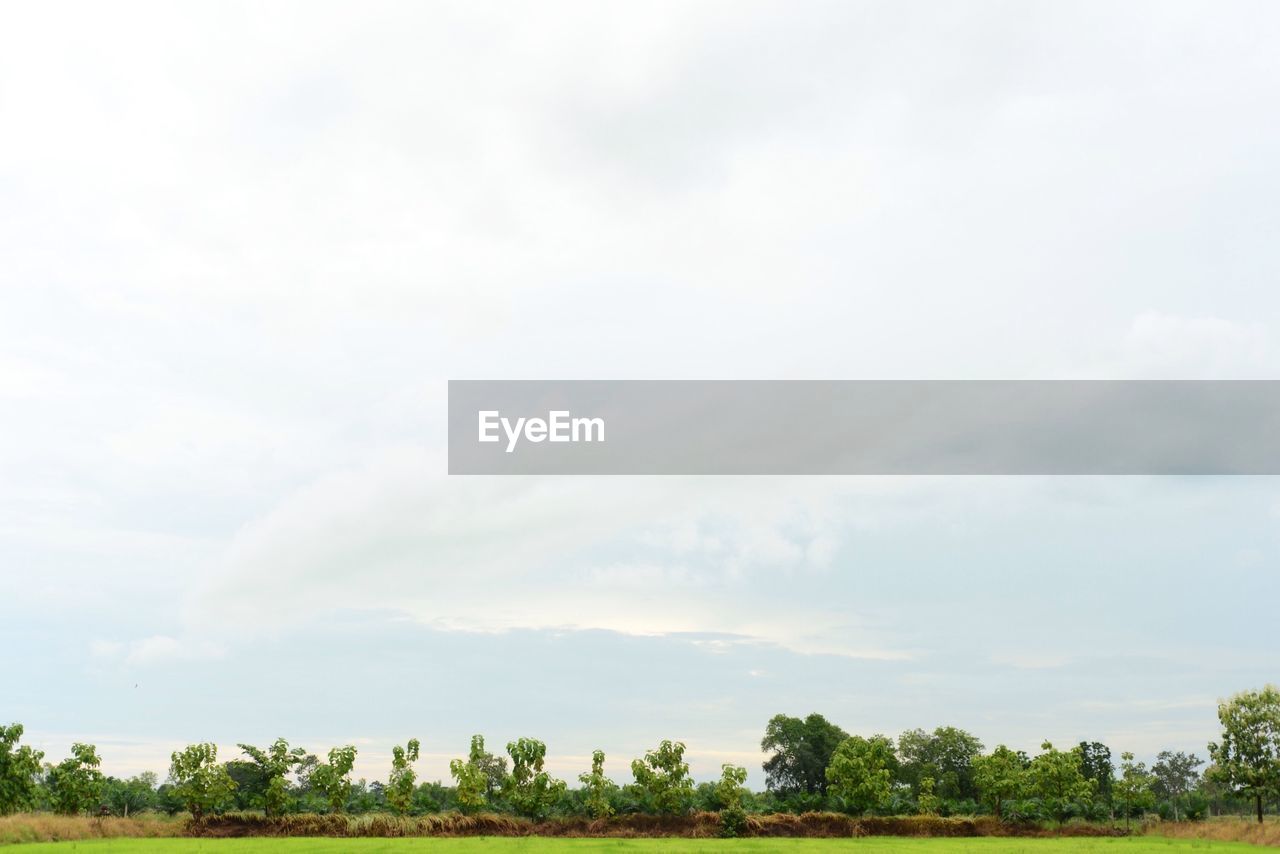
column 530, row 789
column 471, row 776
column 199, row 783
column 862, row 771
column 1000, row 777
column 802, row 750
column 662, row 778
column 75, row 783
column 1133, row 789
column 333, row 779
column 273, row 765
column 1247, row 758
column 400, row 783
column 1095, row 765
column 1175, row 775
column 1055, row 777
column 945, row 755
column 19, row 767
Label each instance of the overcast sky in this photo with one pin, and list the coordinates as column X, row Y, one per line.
column 243, row 248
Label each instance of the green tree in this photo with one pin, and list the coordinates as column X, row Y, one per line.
column 946, row 755
column 1000, row 776
column 19, row 767
column 333, row 779
column 802, row 750
column 662, row 778
column 1133, row 789
column 400, row 785
column 1095, row 765
column 530, row 789
column 199, row 782
column 731, row 788
column 1055, row 777
column 75, row 783
column 471, row 777
column 862, row 771
column 1175, row 775
column 1247, row 758
column 273, row 765
column 597, row 787
column 129, row 797
column 927, row 801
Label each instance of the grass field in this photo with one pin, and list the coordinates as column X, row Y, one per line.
column 500, row 845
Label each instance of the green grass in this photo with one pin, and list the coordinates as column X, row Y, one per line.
column 503, row 845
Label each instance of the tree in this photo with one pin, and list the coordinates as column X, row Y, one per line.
column 273, row 765
column 1247, row 758
column 199, row 782
column 471, row 776
column 662, row 778
column 400, row 784
column 927, row 801
column 946, row 755
column 1000, row 776
column 597, row 788
column 1133, row 789
column 1095, row 765
column 127, row 797
column 1175, row 774
column 333, row 779
column 802, row 750
column 729, row 793
column 75, row 783
column 862, row 770
column 1055, row 777
column 530, row 789
column 19, row 767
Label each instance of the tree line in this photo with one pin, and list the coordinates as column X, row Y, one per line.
column 812, row 764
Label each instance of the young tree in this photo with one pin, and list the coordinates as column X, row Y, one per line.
column 597, row 788
column 531, row 790
column 333, row 779
column 662, row 777
column 75, row 783
column 199, row 782
column 1175, row 774
column 400, row 784
column 471, row 777
column 927, row 802
column 1247, row 758
column 1133, row 789
column 802, row 750
column 273, row 765
column 861, row 772
column 1056, row 779
column 1000, row 776
column 729, row 793
column 19, row 767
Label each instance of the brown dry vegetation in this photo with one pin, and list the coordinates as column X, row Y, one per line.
column 1227, row 829
column 45, row 827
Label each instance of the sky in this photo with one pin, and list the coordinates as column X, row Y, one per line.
column 243, row 247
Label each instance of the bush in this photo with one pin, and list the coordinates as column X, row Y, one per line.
column 733, row 822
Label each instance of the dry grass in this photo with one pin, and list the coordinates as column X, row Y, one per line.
column 1225, row 829
column 45, row 827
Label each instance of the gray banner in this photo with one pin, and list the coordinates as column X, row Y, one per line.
column 864, row 427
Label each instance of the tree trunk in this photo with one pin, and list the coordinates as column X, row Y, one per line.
column 1258, row 800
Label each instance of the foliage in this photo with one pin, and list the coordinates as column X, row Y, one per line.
column 1174, row 776
column 597, row 788
column 400, row 785
column 731, row 788
column 927, row 802
column 333, row 779
column 1055, row 777
column 273, row 764
column 946, row 755
column 861, row 772
column 802, row 750
column 75, row 783
column 199, row 782
column 471, row 777
column 530, row 789
column 19, row 766
column 1247, row 758
column 662, row 778
column 1133, row 789
column 129, row 797
column 1000, row 776
column 1095, row 765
